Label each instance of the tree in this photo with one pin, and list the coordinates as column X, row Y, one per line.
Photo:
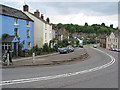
column 45, row 47
column 86, row 24
column 111, row 26
column 77, row 42
column 5, row 35
column 103, row 24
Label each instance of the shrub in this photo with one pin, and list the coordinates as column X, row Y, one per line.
column 20, row 46
column 45, row 47
column 5, row 35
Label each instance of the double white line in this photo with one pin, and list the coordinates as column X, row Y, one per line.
column 60, row 75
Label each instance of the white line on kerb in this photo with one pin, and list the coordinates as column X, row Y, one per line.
column 60, row 75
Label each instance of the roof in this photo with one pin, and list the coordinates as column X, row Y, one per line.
column 12, row 12
column 9, row 39
column 117, row 33
column 103, row 36
column 40, row 18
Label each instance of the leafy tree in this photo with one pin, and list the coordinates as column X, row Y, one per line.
column 5, row 35
column 111, row 26
column 86, row 24
column 103, row 24
column 77, row 42
column 45, row 47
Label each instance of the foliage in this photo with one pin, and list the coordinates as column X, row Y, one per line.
column 5, row 35
column 77, row 42
column 95, row 28
column 45, row 47
column 86, row 24
column 20, row 46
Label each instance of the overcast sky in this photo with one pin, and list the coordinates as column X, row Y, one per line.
column 92, row 12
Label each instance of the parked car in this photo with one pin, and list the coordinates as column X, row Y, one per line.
column 64, row 50
column 70, row 48
column 81, row 45
column 118, row 50
column 112, row 49
column 95, row 46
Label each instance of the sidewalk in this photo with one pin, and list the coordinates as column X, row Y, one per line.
column 49, row 59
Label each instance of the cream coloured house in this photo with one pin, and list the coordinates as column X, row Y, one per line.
column 42, row 28
column 112, row 41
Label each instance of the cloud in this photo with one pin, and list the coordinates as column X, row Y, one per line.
column 81, row 18
column 76, row 13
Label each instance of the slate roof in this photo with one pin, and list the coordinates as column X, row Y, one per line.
column 40, row 18
column 117, row 33
column 12, row 12
column 103, row 36
column 8, row 39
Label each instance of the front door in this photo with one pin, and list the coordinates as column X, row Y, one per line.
column 15, row 48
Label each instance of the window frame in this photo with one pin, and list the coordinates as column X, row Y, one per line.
column 16, row 33
column 28, row 33
column 16, row 21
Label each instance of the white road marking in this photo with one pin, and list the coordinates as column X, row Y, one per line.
column 60, row 75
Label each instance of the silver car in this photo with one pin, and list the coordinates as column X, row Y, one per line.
column 70, row 48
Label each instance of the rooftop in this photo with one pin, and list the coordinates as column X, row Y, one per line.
column 12, row 12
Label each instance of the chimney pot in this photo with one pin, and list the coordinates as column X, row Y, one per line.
column 48, row 20
column 37, row 13
column 26, row 8
column 42, row 16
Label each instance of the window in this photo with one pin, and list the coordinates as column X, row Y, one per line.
column 50, row 35
column 45, row 26
column 24, row 42
column 29, row 45
column 28, row 23
column 28, row 33
column 116, row 40
column 16, row 32
column 16, row 21
column 45, row 35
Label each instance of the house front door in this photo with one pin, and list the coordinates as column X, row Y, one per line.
column 15, row 48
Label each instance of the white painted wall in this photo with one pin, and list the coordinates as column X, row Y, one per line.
column 39, row 31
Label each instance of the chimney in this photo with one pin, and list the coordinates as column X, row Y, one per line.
column 26, row 8
column 37, row 13
column 42, row 16
column 48, row 20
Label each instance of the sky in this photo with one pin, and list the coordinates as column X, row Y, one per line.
column 72, row 11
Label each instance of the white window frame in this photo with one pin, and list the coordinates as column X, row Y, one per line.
column 16, row 21
column 29, row 45
column 45, row 36
column 17, row 35
column 28, row 33
column 28, row 23
column 45, row 26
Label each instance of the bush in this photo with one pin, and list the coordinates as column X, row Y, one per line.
column 55, row 48
column 40, row 50
column 20, row 46
column 65, row 43
column 45, row 47
column 5, row 35
column 77, row 42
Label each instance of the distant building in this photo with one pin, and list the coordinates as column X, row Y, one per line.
column 112, row 41
column 103, row 41
column 55, row 34
column 63, row 34
column 42, row 28
column 15, row 23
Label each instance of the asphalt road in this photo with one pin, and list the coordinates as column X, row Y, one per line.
column 99, row 71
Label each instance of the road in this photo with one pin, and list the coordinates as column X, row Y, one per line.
column 99, row 71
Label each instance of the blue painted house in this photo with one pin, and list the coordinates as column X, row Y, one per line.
column 16, row 23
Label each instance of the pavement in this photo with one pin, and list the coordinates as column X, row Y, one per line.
column 49, row 59
column 99, row 71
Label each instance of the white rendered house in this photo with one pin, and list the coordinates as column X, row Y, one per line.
column 42, row 28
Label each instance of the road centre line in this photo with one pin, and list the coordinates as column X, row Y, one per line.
column 61, row 75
